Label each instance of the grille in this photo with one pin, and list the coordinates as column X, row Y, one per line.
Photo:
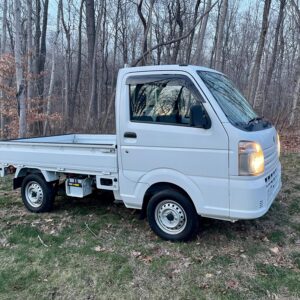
column 271, row 183
column 271, row 158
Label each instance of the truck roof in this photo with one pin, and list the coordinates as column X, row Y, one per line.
column 167, row 68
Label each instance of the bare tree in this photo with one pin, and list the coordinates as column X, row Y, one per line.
column 146, row 26
column 40, row 43
column 296, row 94
column 261, row 43
column 78, row 67
column 92, row 61
column 29, row 50
column 200, row 42
column 274, row 53
column 4, row 27
column 220, row 34
column 53, row 68
column 68, row 61
column 3, row 50
column 259, row 51
column 191, row 39
column 19, row 70
column 175, row 40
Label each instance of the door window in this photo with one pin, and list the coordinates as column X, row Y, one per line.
column 162, row 99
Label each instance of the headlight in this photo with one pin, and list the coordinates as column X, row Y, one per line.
column 251, row 159
column 278, row 145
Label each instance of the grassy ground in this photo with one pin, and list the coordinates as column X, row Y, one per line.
column 94, row 249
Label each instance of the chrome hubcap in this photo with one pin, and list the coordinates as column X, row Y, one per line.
column 34, row 194
column 170, row 217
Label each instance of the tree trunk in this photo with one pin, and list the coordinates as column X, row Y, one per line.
column 91, row 30
column 179, row 22
column 93, row 104
column 146, row 28
column 4, row 25
column 261, row 43
column 212, row 62
column 78, row 67
column 191, row 39
column 43, row 51
column 40, row 58
column 67, row 73
column 104, row 123
column 92, row 69
column 296, row 94
column 274, row 54
column 174, row 40
column 219, row 43
column 19, row 70
column 3, row 50
column 29, row 51
column 199, row 48
column 53, row 70
column 37, row 37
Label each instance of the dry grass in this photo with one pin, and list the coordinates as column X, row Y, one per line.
column 94, row 249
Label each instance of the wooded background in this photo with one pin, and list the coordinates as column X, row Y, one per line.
column 60, row 58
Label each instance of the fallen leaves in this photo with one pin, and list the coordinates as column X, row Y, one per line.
column 179, row 267
column 232, row 284
column 147, row 259
column 136, row 253
column 290, row 143
column 275, row 250
column 103, row 249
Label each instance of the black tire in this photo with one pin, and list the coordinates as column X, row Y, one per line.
column 35, row 184
column 169, row 206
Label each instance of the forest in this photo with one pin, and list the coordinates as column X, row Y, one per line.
column 60, row 58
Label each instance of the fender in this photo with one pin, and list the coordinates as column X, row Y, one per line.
column 49, row 176
column 174, row 177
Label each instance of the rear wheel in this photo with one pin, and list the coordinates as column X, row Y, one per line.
column 37, row 194
column 172, row 216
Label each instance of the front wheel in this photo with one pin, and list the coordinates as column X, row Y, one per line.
column 37, row 194
column 172, row 216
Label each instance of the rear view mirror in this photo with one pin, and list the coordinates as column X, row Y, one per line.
column 199, row 117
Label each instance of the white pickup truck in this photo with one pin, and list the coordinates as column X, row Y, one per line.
column 187, row 143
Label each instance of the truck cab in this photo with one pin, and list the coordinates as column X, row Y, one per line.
column 187, row 144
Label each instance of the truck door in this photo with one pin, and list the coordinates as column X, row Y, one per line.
column 155, row 134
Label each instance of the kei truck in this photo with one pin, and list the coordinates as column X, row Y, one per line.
column 187, row 144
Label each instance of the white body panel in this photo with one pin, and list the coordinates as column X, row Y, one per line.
column 79, row 154
column 202, row 162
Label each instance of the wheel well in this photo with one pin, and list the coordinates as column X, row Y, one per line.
column 159, row 187
column 17, row 182
column 26, row 171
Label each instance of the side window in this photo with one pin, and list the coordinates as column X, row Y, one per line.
column 162, row 100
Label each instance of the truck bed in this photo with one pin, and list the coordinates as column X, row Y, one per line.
column 73, row 153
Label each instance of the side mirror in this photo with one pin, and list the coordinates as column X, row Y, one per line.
column 199, row 117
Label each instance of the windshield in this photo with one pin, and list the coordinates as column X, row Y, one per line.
column 234, row 105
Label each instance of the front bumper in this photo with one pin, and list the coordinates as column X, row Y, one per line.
column 251, row 198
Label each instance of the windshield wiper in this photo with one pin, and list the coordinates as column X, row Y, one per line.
column 256, row 119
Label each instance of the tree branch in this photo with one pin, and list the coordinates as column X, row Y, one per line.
column 184, row 36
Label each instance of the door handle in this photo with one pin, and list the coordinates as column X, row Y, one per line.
column 130, row 135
